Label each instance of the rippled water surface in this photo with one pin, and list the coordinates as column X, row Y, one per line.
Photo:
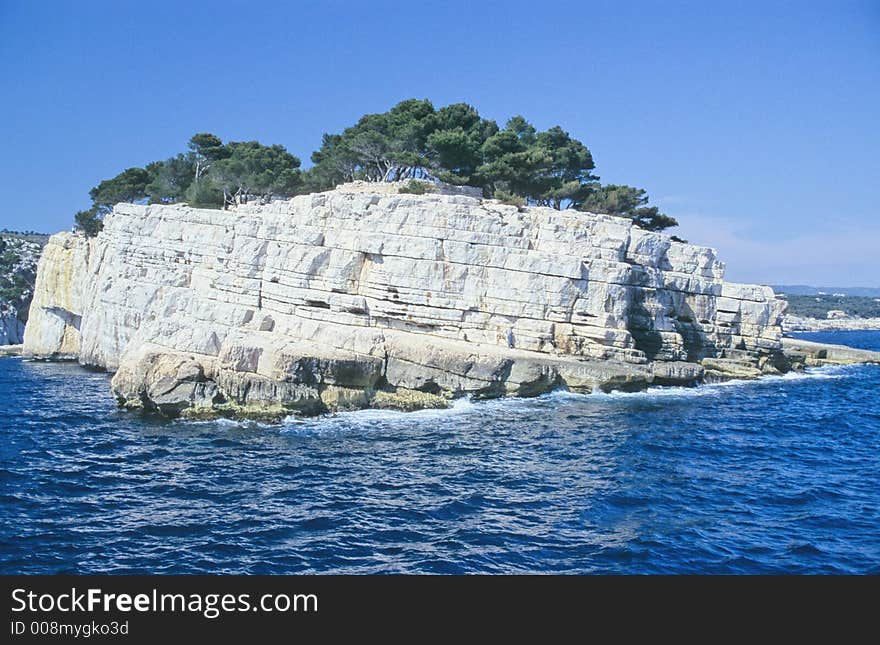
column 782, row 475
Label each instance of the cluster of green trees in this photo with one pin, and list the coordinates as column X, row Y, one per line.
column 210, row 174
column 455, row 144
column 412, row 140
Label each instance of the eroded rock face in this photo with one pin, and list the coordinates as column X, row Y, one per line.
column 349, row 299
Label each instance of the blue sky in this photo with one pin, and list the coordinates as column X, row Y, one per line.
column 755, row 124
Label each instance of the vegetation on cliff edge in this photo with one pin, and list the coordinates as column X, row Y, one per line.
column 413, row 140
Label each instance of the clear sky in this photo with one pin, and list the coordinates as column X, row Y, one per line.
column 755, row 124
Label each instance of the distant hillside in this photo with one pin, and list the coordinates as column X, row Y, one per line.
column 27, row 236
column 18, row 271
column 805, row 290
column 818, row 306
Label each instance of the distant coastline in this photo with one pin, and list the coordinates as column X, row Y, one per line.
column 846, row 323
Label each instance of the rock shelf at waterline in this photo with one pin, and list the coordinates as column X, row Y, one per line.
column 355, row 298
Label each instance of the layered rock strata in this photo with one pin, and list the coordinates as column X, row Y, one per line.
column 351, row 298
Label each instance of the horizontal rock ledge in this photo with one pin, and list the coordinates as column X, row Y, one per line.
column 814, row 354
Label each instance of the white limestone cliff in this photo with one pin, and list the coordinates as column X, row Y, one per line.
column 59, row 298
column 352, row 298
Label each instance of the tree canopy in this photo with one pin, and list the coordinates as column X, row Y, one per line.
column 251, row 169
column 455, row 144
column 412, row 140
column 626, row 201
column 170, row 179
column 210, row 174
column 128, row 186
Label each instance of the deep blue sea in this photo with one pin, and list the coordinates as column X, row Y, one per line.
column 776, row 476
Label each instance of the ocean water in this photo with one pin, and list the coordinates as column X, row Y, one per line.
column 776, row 476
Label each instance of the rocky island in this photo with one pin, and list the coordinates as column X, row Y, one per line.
column 363, row 297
